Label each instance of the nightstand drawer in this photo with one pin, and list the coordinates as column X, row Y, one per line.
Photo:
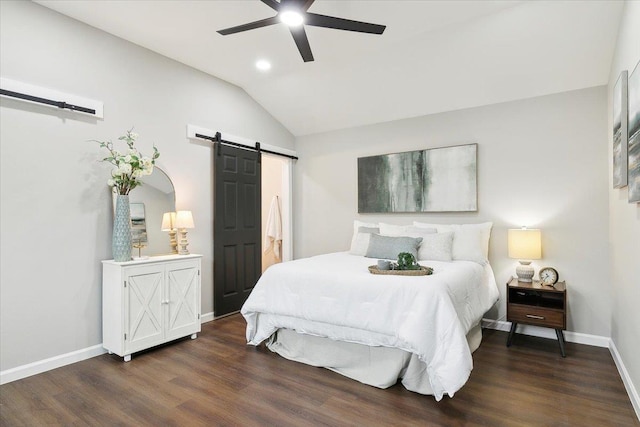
column 535, row 316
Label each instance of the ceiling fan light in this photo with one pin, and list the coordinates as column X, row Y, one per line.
column 291, row 18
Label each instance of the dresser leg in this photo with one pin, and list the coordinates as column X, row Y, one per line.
column 127, row 357
column 561, row 341
column 512, row 332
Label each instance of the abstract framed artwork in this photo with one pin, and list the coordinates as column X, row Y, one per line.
column 620, row 131
column 634, row 136
column 433, row 180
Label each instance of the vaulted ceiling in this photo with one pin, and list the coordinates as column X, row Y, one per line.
column 434, row 56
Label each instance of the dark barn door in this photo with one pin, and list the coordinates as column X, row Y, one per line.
column 237, row 226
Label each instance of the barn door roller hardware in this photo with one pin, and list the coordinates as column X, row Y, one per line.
column 218, row 138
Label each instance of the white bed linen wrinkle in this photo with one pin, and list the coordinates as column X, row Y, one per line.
column 334, row 296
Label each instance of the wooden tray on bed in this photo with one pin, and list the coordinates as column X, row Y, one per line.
column 424, row 271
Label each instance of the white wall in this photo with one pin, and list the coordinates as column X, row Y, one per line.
column 541, row 163
column 624, row 219
column 56, row 210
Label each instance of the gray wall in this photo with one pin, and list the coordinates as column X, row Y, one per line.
column 624, row 219
column 55, row 214
column 541, row 163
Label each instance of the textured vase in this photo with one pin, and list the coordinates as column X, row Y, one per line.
column 121, row 241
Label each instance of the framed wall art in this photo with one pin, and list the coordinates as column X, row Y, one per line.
column 434, row 180
column 633, row 176
column 620, row 131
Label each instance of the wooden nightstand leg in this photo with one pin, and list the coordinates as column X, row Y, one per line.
column 561, row 341
column 511, row 333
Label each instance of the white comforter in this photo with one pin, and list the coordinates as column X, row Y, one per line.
column 335, row 296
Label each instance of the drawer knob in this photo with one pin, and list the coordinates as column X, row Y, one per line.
column 533, row 316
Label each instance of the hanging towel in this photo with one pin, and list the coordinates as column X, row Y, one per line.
column 273, row 231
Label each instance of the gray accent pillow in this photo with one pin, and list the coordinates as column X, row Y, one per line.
column 371, row 230
column 387, row 247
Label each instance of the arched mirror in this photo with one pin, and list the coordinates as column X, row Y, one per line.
column 148, row 202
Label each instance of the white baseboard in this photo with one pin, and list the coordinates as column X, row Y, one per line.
column 40, row 366
column 45, row 365
column 632, row 391
column 536, row 331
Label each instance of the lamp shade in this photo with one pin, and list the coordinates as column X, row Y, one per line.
column 184, row 219
column 525, row 244
column 168, row 221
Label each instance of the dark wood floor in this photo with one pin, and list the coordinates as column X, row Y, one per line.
column 218, row 380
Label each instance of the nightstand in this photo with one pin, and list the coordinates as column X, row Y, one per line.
column 539, row 305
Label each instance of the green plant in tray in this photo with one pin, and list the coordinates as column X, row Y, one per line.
column 406, row 261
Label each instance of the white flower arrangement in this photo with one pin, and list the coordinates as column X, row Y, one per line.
column 129, row 167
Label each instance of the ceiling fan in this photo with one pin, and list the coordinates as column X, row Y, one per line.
column 294, row 13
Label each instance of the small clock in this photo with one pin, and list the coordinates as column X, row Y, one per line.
column 548, row 276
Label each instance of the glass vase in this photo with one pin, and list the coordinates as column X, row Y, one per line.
column 121, row 240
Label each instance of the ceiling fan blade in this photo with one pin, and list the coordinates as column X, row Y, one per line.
column 342, row 24
column 250, row 26
column 300, row 37
column 298, row 5
column 307, row 4
column 273, row 4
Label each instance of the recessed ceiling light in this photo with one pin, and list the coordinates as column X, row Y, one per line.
column 291, row 18
column 263, row 65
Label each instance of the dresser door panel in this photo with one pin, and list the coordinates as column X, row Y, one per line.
column 143, row 308
column 183, row 295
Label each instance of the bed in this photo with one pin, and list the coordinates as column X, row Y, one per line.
column 329, row 311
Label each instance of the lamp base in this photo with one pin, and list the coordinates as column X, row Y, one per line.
column 172, row 241
column 183, row 243
column 525, row 272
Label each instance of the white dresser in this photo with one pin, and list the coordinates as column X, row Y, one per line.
column 149, row 302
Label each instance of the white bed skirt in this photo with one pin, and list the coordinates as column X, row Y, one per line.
column 377, row 366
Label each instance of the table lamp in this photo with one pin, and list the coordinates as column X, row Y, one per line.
column 524, row 245
column 184, row 220
column 168, row 224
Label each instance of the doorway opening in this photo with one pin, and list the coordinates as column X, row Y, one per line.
column 276, row 210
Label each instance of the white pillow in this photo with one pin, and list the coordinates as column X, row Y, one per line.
column 360, row 244
column 470, row 241
column 362, row 240
column 425, row 233
column 442, row 228
column 356, row 225
column 393, row 230
column 404, row 230
column 436, row 247
column 485, row 233
column 413, row 231
column 467, row 246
